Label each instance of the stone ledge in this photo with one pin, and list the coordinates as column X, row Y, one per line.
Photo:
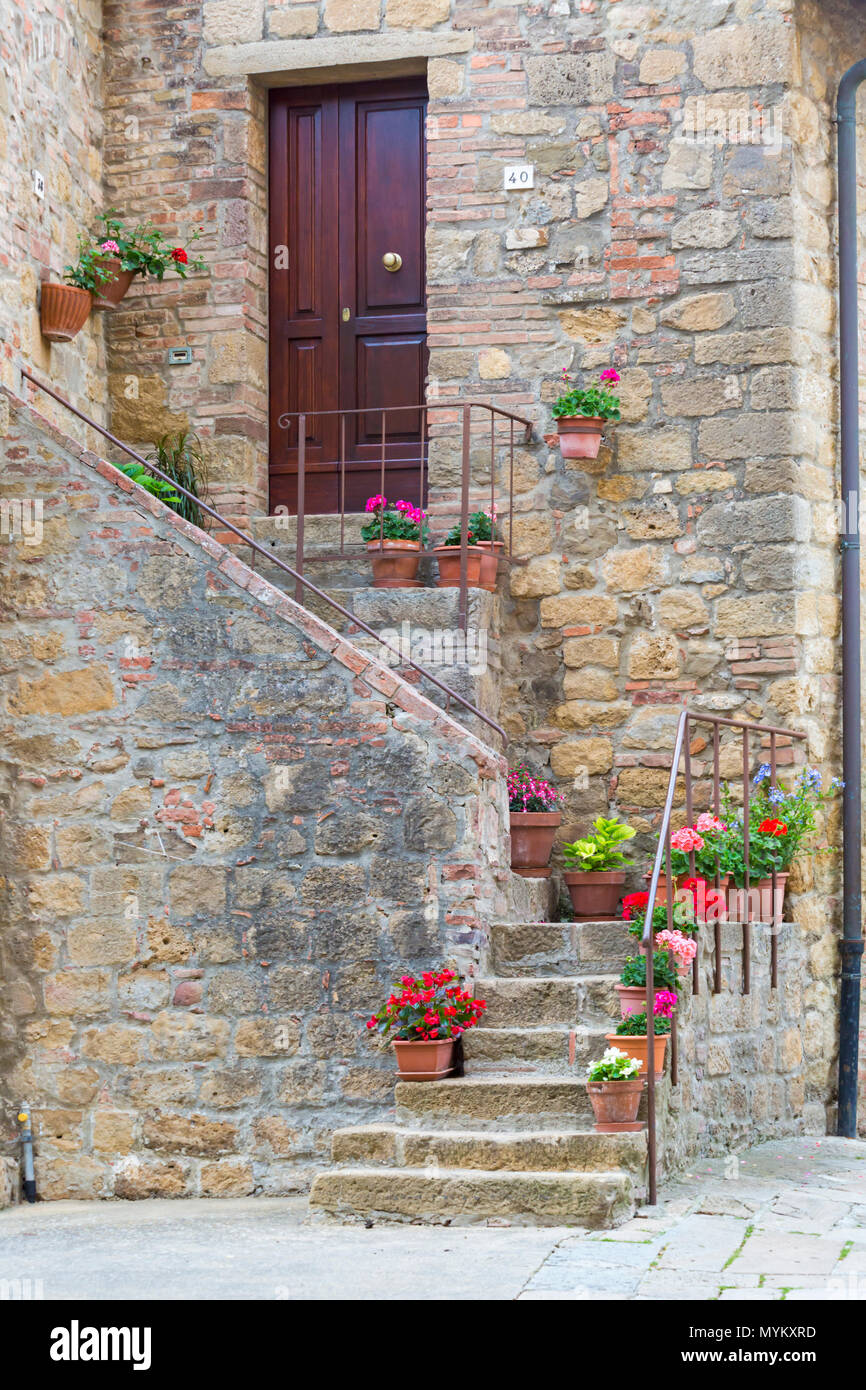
column 289, row 62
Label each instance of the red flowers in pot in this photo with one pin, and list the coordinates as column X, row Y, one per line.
column 424, row 1017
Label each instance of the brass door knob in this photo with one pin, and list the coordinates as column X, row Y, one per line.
column 392, row 261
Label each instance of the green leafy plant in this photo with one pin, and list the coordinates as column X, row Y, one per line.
column 181, row 458
column 397, row 521
column 599, row 851
column 88, row 272
column 596, row 400
column 155, row 486
column 664, row 972
column 143, row 250
column 480, row 526
column 634, row 912
column 634, row 1026
column 614, row 1065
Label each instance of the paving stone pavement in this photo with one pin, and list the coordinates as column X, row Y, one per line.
column 783, row 1221
column 780, row 1222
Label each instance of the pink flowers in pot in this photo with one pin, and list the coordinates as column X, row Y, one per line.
column 665, row 1003
column 678, row 944
column 687, row 840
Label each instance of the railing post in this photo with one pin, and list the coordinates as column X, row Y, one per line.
column 747, row 924
column 464, row 521
column 774, row 925
column 651, row 1073
column 299, row 536
column 690, row 818
column 717, row 929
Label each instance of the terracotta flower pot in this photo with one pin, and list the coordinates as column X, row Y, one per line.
column 762, row 909
column 616, row 1104
column 580, row 435
column 424, row 1061
column 110, row 292
column 63, row 311
column 532, row 836
column 632, row 999
column 449, row 565
column 395, row 563
column 637, row 1047
column 490, row 563
column 595, row 896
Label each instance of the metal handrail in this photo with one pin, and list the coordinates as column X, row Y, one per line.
column 465, row 407
column 687, row 717
column 273, row 559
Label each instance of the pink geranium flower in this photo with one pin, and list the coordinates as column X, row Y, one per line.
column 109, row 246
column 374, row 503
column 609, row 374
column 706, row 822
column 686, row 839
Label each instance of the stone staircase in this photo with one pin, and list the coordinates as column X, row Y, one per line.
column 424, row 614
column 512, row 1141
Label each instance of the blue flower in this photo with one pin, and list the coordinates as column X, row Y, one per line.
column 776, row 796
column 837, row 784
column 763, row 772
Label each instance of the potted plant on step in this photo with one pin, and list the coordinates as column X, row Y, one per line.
column 534, row 817
column 595, row 876
column 483, row 527
column 632, row 982
column 581, row 414
column 631, row 1035
column 394, row 535
column 614, row 1088
column 423, row 1018
column 448, row 555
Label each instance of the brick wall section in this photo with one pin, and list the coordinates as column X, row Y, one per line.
column 194, row 1024
column 50, row 122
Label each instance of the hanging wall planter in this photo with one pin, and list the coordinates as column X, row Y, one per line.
column 63, row 311
column 582, row 414
column 110, row 292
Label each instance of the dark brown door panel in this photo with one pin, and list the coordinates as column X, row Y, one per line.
column 347, row 186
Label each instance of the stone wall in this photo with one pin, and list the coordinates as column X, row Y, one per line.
column 224, row 832
column 50, row 123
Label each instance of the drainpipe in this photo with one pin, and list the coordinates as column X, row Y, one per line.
column 849, row 389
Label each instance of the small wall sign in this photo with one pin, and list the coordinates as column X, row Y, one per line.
column 179, row 356
column 38, row 184
column 518, row 177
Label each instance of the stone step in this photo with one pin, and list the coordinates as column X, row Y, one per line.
column 590, row 999
column 580, row 1151
column 559, row 948
column 532, row 899
column 497, row 1102
column 552, row 1050
column 467, row 1196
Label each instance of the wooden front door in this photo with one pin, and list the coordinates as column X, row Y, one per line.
column 347, row 187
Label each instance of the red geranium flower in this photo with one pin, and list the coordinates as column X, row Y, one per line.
column 179, row 256
column 773, row 827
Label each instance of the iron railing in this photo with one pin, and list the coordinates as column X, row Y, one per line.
column 301, row 583
column 451, row 412
column 769, row 735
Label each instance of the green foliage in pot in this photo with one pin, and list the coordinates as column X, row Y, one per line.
column 480, row 526
column 394, row 521
column 599, row 852
column 143, row 250
column 88, row 272
column 634, row 1026
column 181, row 458
column 664, row 973
column 596, row 400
